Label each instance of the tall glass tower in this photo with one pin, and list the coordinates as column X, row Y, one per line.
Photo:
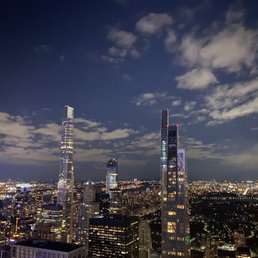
column 174, row 209
column 111, row 177
column 66, row 174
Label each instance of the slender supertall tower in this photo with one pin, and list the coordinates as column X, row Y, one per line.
column 174, row 209
column 66, row 174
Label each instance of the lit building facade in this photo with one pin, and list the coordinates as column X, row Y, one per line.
column 113, row 236
column 111, row 177
column 115, row 201
column 89, row 208
column 174, row 209
column 49, row 224
column 145, row 243
column 66, row 174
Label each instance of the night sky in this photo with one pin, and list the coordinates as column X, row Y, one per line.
column 118, row 63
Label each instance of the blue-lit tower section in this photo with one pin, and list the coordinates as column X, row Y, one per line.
column 111, row 176
column 174, row 209
column 66, row 174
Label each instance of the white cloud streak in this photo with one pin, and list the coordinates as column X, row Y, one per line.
column 153, row 23
column 227, row 102
column 196, row 79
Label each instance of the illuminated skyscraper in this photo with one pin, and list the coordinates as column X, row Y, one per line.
column 111, row 178
column 88, row 208
column 174, row 212
column 114, row 236
column 115, row 194
column 66, row 173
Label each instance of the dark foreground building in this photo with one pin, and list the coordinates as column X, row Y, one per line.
column 113, row 236
column 44, row 248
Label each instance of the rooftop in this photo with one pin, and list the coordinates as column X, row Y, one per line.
column 50, row 245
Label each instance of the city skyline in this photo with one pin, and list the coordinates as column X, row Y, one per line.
column 197, row 59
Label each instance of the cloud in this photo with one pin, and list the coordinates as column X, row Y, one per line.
column 42, row 48
column 135, row 54
column 190, row 51
column 50, row 130
column 170, row 41
column 127, row 77
column 62, row 59
column 246, row 159
column 146, row 145
column 29, row 156
column 227, row 102
column 149, row 99
column 85, row 123
column 21, row 142
column 91, row 155
column 189, row 106
column 121, row 38
column 196, row 79
column 231, row 49
column 176, row 102
column 104, row 135
column 197, row 150
column 14, row 126
column 124, row 46
column 153, row 23
column 234, row 16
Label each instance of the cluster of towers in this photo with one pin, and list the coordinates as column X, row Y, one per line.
column 174, row 208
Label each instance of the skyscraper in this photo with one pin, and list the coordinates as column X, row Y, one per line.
column 145, row 243
column 49, row 224
column 66, row 173
column 88, row 208
column 115, row 194
column 114, row 236
column 174, row 212
column 111, row 177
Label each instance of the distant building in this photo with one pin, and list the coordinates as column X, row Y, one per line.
column 112, row 189
column 49, row 224
column 145, row 243
column 212, row 246
column 113, row 236
column 239, row 237
column 88, row 209
column 244, row 252
column 198, row 253
column 115, row 201
column 227, row 251
column 44, row 248
column 66, row 173
column 111, row 176
column 174, row 207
